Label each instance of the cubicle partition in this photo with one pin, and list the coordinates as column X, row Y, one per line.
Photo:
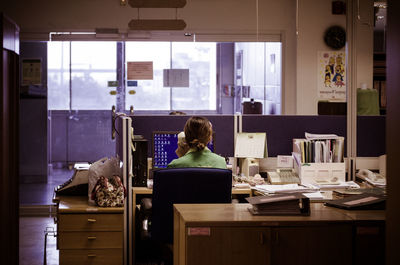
column 280, row 129
column 371, row 136
column 223, row 126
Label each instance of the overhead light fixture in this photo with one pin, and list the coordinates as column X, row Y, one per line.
column 157, row 24
column 123, row 2
column 157, row 3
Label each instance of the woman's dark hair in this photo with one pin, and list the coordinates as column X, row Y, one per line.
column 198, row 132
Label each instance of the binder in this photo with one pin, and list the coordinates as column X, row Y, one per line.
column 282, row 204
column 365, row 201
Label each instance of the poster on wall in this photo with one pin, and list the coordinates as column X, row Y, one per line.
column 31, row 72
column 332, row 75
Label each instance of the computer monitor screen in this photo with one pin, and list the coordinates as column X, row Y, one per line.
column 164, row 146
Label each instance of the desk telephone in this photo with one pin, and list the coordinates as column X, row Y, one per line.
column 373, row 178
column 283, row 176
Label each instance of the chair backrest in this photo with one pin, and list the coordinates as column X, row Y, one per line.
column 185, row 185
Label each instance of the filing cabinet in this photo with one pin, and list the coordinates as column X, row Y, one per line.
column 89, row 234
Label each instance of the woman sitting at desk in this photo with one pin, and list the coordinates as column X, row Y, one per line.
column 198, row 133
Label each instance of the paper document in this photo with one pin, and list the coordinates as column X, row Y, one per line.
column 339, row 185
column 252, row 145
column 311, row 136
column 314, row 195
column 286, row 188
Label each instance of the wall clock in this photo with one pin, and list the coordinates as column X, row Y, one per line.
column 335, row 37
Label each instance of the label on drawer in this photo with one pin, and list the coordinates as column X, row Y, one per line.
column 91, row 209
column 199, row 231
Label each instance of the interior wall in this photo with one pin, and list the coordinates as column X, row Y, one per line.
column 33, row 119
column 314, row 17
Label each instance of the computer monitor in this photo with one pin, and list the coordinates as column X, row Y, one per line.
column 164, row 145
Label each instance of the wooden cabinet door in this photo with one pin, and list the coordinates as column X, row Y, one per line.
column 308, row 245
column 229, row 245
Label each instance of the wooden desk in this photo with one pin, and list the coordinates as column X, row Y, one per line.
column 88, row 234
column 229, row 234
column 136, row 191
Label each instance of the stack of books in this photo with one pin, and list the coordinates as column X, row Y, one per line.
column 283, row 204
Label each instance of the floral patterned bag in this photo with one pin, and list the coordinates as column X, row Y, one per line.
column 109, row 192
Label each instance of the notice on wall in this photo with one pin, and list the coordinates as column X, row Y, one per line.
column 332, row 75
column 31, row 72
column 140, row 71
column 176, row 77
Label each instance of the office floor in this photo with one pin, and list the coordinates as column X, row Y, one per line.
column 42, row 193
column 31, row 241
column 32, row 228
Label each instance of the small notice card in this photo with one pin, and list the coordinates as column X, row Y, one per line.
column 140, row 70
column 251, row 145
column 176, row 78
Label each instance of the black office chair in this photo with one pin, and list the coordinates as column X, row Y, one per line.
column 183, row 185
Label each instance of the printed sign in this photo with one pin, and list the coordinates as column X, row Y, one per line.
column 140, row 70
column 176, row 78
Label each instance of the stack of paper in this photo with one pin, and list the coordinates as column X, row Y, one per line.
column 314, row 196
column 285, row 188
column 288, row 204
column 338, row 185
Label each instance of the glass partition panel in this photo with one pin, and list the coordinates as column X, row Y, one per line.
column 200, row 59
column 93, row 65
column 58, row 54
column 149, row 94
column 258, row 75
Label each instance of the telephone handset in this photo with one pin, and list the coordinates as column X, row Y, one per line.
column 374, row 178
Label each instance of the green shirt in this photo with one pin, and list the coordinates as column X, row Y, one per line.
column 203, row 158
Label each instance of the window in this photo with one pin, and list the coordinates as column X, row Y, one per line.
column 258, row 71
column 58, row 75
column 199, row 58
column 149, row 94
column 93, row 64
column 79, row 74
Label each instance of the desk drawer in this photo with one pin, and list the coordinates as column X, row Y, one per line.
column 89, row 240
column 96, row 256
column 90, row 222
